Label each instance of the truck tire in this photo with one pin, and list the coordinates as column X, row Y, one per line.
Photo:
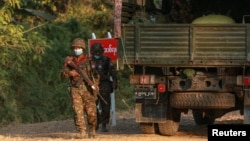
column 171, row 126
column 201, row 118
column 148, row 128
column 202, row 100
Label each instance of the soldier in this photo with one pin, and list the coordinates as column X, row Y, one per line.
column 77, row 69
column 105, row 68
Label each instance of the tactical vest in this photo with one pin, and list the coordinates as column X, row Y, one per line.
column 102, row 67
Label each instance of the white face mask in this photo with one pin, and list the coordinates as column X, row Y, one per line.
column 78, row 51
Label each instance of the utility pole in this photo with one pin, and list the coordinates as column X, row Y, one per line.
column 117, row 18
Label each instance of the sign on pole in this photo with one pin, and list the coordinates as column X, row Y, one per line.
column 110, row 46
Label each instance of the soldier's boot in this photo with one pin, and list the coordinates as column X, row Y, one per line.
column 83, row 135
column 104, row 128
column 92, row 132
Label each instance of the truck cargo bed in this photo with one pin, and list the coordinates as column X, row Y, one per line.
column 186, row 44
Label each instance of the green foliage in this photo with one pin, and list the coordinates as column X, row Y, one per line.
column 8, row 107
column 93, row 14
column 11, row 35
column 32, row 51
column 124, row 97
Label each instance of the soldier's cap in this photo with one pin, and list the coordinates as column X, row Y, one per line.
column 78, row 42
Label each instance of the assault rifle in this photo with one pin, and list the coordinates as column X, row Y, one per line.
column 83, row 75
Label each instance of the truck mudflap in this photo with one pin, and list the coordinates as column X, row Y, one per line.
column 150, row 112
column 247, row 106
column 202, row 100
column 157, row 117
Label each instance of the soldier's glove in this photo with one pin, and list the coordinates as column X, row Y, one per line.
column 95, row 88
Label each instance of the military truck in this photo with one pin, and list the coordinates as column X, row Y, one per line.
column 203, row 68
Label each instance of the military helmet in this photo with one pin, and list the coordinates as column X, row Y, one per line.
column 78, row 42
column 97, row 49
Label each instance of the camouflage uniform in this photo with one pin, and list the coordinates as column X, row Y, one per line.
column 83, row 99
column 105, row 69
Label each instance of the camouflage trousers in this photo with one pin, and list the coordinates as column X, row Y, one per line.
column 84, row 107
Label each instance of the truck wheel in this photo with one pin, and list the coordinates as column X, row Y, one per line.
column 148, row 128
column 196, row 100
column 201, row 118
column 171, row 126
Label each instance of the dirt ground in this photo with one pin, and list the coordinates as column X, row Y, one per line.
column 126, row 129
